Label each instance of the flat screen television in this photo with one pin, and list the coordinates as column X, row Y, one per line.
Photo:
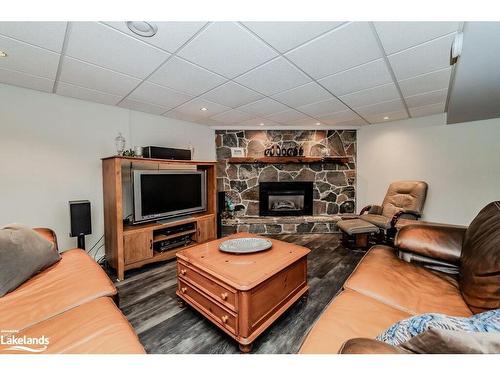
column 167, row 194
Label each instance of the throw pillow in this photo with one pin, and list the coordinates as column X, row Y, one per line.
column 23, row 253
column 404, row 330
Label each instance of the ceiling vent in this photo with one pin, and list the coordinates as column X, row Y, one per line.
column 142, row 28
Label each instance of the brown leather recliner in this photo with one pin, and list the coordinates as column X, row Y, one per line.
column 404, row 199
column 384, row 289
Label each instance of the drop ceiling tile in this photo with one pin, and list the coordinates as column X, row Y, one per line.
column 374, row 95
column 387, row 117
column 49, row 35
column 427, row 98
column 183, row 116
column 343, row 48
column 149, row 92
column 396, row 36
column 26, row 58
column 142, row 107
column 232, row 117
column 258, row 122
column 323, row 107
column 437, row 80
column 309, row 122
column 273, row 77
column 232, row 95
column 423, row 58
column 287, row 116
column 228, row 49
column 427, row 110
column 193, row 108
column 385, row 107
column 101, row 45
column 170, row 35
column 302, row 95
column 374, row 73
column 263, row 107
column 11, row 77
column 287, row 35
column 185, row 77
column 66, row 89
column 339, row 117
column 94, row 77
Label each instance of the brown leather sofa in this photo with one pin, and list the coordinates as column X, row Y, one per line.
column 71, row 304
column 384, row 289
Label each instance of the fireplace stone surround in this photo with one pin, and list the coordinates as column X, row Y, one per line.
column 333, row 183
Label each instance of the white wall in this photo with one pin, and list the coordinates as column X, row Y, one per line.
column 460, row 162
column 51, row 148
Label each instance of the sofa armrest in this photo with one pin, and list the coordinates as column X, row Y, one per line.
column 365, row 209
column 372, row 209
column 437, row 241
column 414, row 215
column 48, row 234
column 369, row 346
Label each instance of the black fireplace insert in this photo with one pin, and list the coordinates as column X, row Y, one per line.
column 286, row 198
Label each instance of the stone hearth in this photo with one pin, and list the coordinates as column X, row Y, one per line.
column 334, row 183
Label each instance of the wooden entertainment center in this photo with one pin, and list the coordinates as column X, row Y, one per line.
column 132, row 246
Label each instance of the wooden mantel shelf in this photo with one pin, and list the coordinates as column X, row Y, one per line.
column 290, row 160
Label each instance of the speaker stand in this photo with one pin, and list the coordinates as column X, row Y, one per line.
column 81, row 241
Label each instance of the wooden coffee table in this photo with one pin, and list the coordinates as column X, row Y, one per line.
column 242, row 294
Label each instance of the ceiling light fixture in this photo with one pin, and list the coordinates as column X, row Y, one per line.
column 3, row 54
column 203, row 109
column 142, row 28
column 386, row 118
column 318, row 123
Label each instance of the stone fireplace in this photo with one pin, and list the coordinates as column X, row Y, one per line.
column 333, row 183
column 286, row 198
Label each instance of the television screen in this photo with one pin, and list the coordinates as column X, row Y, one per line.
column 164, row 194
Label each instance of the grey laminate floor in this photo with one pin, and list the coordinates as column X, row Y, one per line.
column 147, row 298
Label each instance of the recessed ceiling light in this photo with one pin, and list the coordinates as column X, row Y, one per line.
column 142, row 28
column 3, row 54
column 261, row 124
column 318, row 123
column 203, row 109
column 386, row 118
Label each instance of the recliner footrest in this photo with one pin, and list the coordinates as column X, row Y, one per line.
column 357, row 226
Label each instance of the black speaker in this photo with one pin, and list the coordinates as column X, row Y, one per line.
column 81, row 225
column 155, row 152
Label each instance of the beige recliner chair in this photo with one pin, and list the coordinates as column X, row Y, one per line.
column 404, row 199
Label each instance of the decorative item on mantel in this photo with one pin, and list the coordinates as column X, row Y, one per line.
column 237, row 152
column 120, row 144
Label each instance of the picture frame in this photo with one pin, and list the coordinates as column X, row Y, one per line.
column 237, row 152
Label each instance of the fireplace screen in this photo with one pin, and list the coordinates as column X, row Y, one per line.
column 285, row 198
column 286, row 202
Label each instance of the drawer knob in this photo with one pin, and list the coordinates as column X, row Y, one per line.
column 184, row 290
column 224, row 319
column 223, row 296
column 183, row 271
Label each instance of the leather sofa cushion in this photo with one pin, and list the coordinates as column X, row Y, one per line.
column 96, row 327
column 74, row 280
column 348, row 316
column 356, row 226
column 378, row 220
column 437, row 241
column 383, row 276
column 480, row 261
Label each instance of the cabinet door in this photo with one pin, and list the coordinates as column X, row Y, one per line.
column 137, row 246
column 206, row 229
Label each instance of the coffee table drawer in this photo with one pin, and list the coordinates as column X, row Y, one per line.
column 216, row 313
column 207, row 285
